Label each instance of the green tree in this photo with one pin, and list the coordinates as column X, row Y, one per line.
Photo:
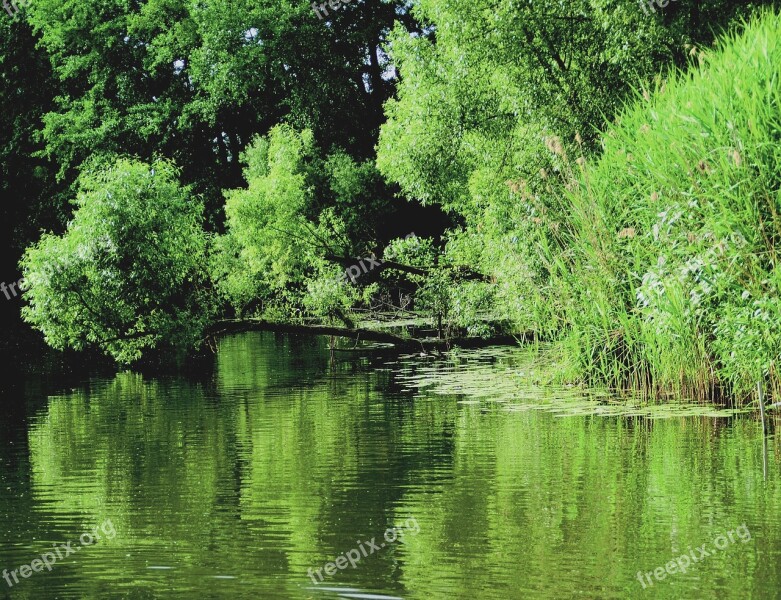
column 129, row 273
column 300, row 214
column 269, row 236
column 195, row 82
column 501, row 92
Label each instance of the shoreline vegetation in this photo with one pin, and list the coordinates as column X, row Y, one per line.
column 566, row 186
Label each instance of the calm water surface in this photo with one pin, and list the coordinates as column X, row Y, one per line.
column 237, row 481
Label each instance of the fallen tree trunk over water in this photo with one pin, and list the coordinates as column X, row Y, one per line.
column 367, row 335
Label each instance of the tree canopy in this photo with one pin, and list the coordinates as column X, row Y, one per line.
column 264, row 149
column 129, row 272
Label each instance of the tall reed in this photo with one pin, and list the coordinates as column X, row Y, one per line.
column 662, row 254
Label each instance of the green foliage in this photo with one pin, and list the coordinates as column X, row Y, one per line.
column 128, row 274
column 664, row 249
column 412, row 250
column 455, row 307
column 434, row 297
column 264, row 252
column 474, row 101
column 471, row 305
column 267, row 220
column 329, row 297
column 643, row 261
column 357, row 194
column 665, row 262
column 280, row 230
column 195, row 82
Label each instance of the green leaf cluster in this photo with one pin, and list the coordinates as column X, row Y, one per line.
column 128, row 274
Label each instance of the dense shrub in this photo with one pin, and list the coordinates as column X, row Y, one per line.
column 129, row 273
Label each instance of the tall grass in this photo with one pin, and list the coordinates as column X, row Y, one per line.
column 662, row 255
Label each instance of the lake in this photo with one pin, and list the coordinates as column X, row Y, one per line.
column 280, row 473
